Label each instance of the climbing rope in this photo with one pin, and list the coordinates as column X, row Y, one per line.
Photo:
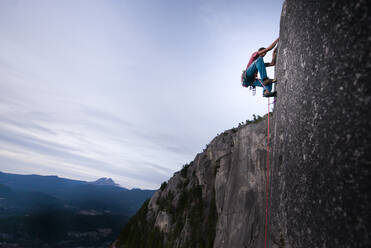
column 267, row 184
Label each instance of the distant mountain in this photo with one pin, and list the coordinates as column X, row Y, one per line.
column 35, row 208
column 48, row 184
column 104, row 181
column 103, row 195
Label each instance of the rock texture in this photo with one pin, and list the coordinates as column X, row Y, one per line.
column 240, row 186
column 320, row 171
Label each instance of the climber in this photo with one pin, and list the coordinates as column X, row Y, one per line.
column 256, row 64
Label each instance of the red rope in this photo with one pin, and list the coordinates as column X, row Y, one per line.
column 265, row 89
column 267, row 185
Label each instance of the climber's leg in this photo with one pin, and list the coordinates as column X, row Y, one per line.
column 266, row 88
column 257, row 83
column 270, row 94
column 250, row 71
column 260, row 66
column 259, row 63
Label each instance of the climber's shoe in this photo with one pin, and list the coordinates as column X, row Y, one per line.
column 270, row 94
column 269, row 81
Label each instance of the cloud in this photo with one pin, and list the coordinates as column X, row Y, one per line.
column 105, row 116
column 26, row 125
column 61, row 154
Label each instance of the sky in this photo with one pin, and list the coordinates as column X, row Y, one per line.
column 130, row 90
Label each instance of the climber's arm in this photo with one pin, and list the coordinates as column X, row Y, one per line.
column 274, row 57
column 271, row 46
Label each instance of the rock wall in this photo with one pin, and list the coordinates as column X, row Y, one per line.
column 322, row 147
column 239, row 189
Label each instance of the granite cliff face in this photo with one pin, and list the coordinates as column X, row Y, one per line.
column 321, row 143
